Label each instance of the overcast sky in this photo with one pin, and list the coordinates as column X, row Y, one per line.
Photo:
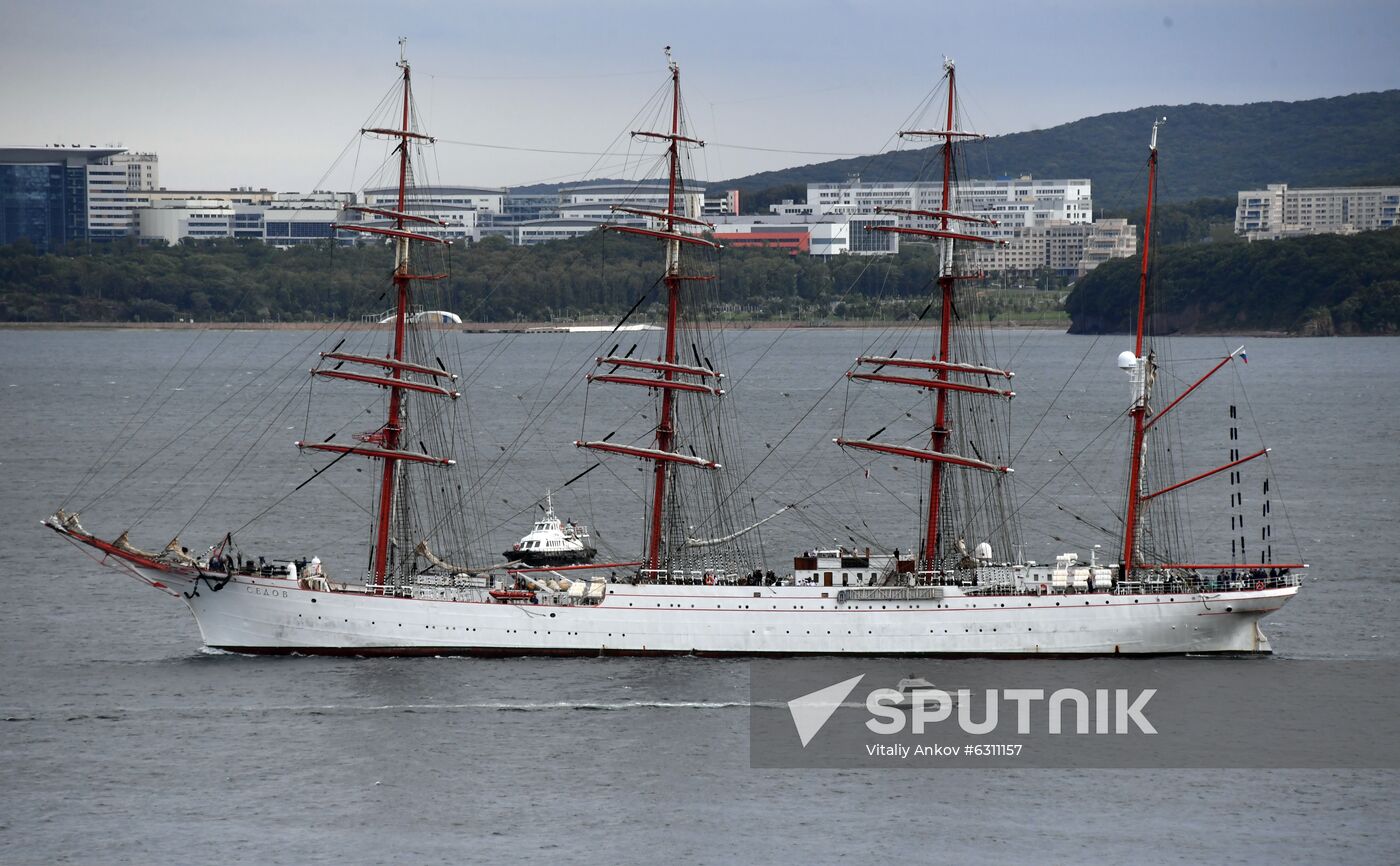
column 267, row 94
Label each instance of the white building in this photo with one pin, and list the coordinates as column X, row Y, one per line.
column 237, row 195
column 531, row 232
column 1045, row 223
column 483, row 198
column 604, row 213
column 1107, row 239
column 460, row 207
column 650, row 195
column 142, row 170
column 116, row 187
column 722, row 204
column 199, row 219
column 791, row 208
column 110, row 205
column 1020, row 203
column 835, row 234
column 1277, row 211
column 579, row 210
column 115, row 206
column 292, row 219
column 287, row 219
column 1069, row 249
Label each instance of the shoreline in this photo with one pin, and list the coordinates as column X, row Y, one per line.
column 543, row 328
column 473, row 327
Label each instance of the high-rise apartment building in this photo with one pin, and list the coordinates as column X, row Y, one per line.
column 1278, row 211
column 1044, row 223
column 44, row 193
column 1013, row 203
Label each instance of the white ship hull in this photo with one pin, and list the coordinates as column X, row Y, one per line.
column 275, row 615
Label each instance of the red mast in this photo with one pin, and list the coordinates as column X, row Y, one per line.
column 665, row 433
column 663, row 456
column 1143, row 368
column 942, row 362
column 945, row 320
column 392, row 427
column 1141, row 371
column 385, row 444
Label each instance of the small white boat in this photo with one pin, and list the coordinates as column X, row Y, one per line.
column 912, row 685
column 552, row 541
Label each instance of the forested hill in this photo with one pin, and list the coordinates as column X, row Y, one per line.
column 1325, row 284
column 1206, row 151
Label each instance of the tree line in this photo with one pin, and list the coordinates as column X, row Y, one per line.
column 598, row 276
column 1322, row 284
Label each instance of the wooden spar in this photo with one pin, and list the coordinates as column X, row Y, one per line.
column 921, row 364
column 942, row 384
column 399, row 133
column 657, row 383
column 390, row 364
column 388, row 455
column 938, row 214
column 665, row 236
column 936, row 233
column 661, row 215
column 657, row 365
column 939, row 133
column 398, row 233
column 1204, row 475
column 1184, row 394
column 673, row 137
column 660, row 456
column 937, row 458
column 394, row 214
column 389, row 382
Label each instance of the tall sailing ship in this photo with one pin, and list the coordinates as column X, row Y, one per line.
column 698, row 585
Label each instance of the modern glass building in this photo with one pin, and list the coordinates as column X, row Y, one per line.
column 43, row 193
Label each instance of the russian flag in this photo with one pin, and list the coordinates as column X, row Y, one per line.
column 1244, row 357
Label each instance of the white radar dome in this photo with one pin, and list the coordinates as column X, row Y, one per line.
column 1126, row 360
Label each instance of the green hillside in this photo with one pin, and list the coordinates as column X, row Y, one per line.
column 1325, row 284
column 1206, row 151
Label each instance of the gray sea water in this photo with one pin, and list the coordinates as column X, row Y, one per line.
column 124, row 742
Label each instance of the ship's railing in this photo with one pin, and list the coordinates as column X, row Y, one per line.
column 1225, row 581
column 390, row 590
column 696, row 577
column 983, row 576
column 1002, row 580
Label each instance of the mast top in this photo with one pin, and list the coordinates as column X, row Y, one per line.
column 948, row 63
column 1155, row 124
column 670, row 62
column 403, row 52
